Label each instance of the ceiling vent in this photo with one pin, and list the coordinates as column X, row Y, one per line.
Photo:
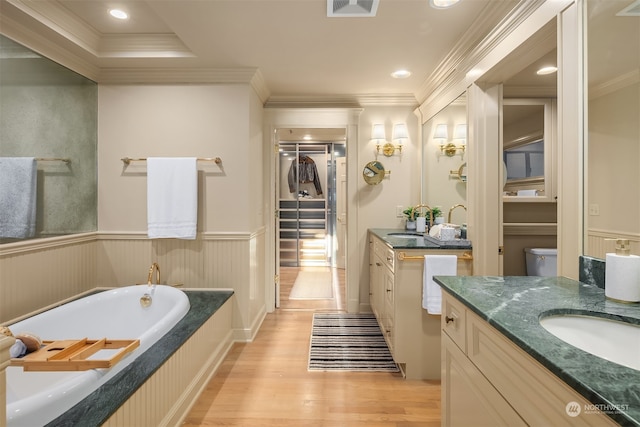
column 632, row 10
column 352, row 8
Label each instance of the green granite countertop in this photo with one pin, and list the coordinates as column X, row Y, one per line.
column 514, row 305
column 416, row 240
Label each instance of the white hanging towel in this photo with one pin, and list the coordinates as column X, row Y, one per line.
column 172, row 197
column 436, row 265
column 18, row 186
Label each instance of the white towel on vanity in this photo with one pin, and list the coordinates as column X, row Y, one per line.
column 436, row 265
column 18, row 185
column 172, row 197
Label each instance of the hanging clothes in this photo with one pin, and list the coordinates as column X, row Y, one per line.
column 304, row 171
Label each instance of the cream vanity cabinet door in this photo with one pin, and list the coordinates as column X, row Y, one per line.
column 468, row 399
column 488, row 380
column 381, row 286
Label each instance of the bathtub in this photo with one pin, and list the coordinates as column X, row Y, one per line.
column 35, row 398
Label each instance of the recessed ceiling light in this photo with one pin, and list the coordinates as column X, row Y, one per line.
column 546, row 70
column 442, row 4
column 401, row 74
column 118, row 14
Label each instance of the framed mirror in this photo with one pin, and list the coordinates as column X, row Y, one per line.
column 612, row 134
column 444, row 155
column 528, row 146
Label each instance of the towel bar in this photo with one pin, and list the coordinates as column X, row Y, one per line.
column 402, row 256
column 128, row 160
column 53, row 159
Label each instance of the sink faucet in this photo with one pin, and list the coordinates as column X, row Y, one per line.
column 452, row 209
column 415, row 209
column 153, row 267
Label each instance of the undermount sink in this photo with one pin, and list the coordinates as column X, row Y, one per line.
column 406, row 235
column 612, row 340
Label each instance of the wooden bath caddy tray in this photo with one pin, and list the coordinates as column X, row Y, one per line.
column 73, row 355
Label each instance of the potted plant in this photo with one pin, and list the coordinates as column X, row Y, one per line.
column 438, row 217
column 411, row 215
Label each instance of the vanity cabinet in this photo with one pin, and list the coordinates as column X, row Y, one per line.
column 395, row 292
column 488, row 381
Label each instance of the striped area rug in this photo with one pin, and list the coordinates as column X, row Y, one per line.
column 348, row 342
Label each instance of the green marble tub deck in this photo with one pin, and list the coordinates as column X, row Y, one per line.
column 514, row 305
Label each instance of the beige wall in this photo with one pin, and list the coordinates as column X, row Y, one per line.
column 179, row 120
column 377, row 203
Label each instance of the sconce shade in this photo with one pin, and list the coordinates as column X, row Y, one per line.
column 460, row 131
column 400, row 132
column 378, row 132
column 441, row 131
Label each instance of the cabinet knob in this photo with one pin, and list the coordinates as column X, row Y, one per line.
column 388, row 290
column 378, row 264
column 449, row 319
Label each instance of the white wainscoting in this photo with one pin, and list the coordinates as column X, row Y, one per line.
column 601, row 242
column 35, row 274
column 214, row 260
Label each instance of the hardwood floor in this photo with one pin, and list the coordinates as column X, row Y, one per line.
column 266, row 383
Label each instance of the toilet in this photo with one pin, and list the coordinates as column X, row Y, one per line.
column 542, row 261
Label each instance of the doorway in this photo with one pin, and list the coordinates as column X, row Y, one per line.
column 310, row 220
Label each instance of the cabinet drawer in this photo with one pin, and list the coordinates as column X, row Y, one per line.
column 453, row 320
column 385, row 253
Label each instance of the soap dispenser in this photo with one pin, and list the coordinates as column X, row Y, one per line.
column 622, row 274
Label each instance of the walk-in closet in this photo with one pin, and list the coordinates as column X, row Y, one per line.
column 307, row 205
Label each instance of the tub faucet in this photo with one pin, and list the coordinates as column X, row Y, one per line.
column 153, row 267
column 452, row 209
column 415, row 209
column 147, row 298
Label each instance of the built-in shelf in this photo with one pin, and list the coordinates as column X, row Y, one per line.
column 530, row 228
column 303, row 230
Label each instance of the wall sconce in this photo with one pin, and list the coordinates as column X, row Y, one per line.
column 388, row 149
column 450, row 149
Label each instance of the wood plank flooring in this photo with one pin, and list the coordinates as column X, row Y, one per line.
column 266, row 383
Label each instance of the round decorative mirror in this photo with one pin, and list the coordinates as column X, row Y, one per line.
column 373, row 173
column 461, row 173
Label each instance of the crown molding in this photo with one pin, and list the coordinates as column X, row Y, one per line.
column 54, row 16
column 142, row 46
column 342, row 101
column 129, row 75
column 618, row 83
column 57, row 18
column 469, row 51
column 21, row 28
column 451, row 77
column 155, row 75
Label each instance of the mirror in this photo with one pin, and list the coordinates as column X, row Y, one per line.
column 373, row 173
column 444, row 175
column 612, row 137
column 527, row 148
column 49, row 113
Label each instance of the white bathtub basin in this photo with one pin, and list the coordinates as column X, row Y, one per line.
column 615, row 341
